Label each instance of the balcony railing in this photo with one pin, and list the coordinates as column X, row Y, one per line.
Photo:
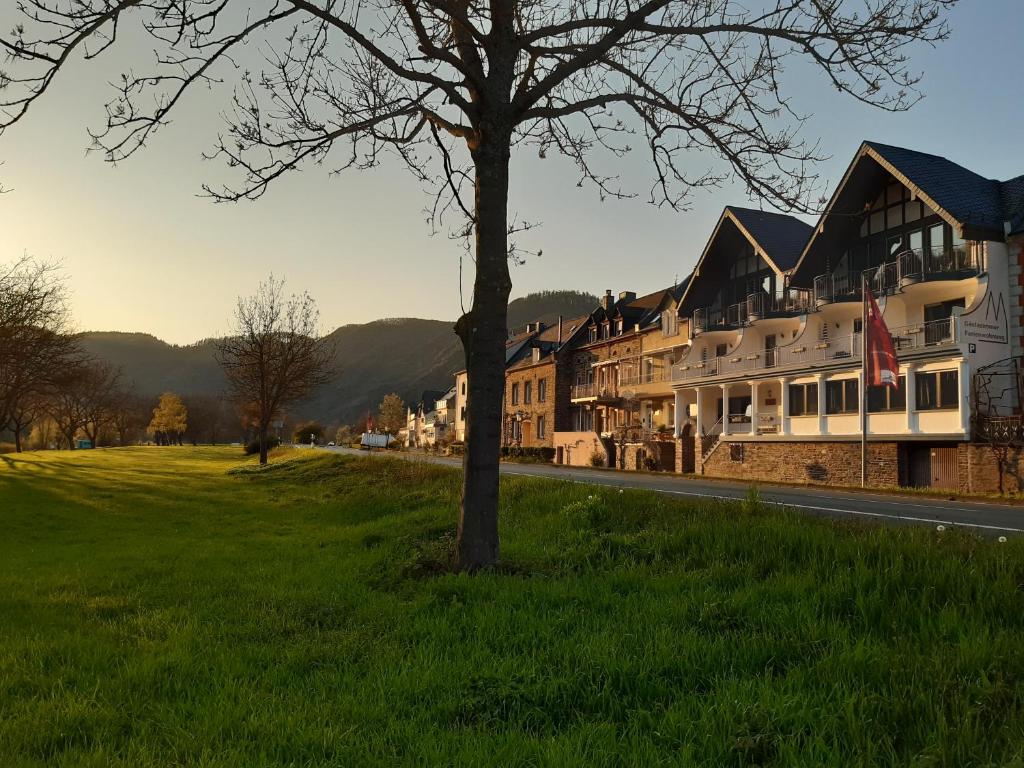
column 842, row 286
column 909, row 267
column 790, row 301
column 714, row 319
column 636, row 378
column 583, row 391
column 936, row 333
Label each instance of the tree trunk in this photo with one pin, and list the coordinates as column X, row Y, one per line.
column 17, row 438
column 483, row 331
column 263, row 444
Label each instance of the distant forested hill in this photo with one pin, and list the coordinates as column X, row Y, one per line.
column 404, row 355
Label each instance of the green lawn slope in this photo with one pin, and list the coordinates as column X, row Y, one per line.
column 182, row 607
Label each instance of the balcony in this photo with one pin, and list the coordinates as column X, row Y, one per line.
column 583, row 392
column 835, row 288
column 909, row 267
column 712, row 319
column 792, row 301
column 636, row 379
column 936, row 334
column 919, row 264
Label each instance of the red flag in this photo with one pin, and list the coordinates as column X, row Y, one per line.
column 883, row 368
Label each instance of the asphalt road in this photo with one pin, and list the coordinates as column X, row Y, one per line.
column 991, row 518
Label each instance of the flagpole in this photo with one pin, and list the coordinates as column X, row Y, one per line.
column 864, row 381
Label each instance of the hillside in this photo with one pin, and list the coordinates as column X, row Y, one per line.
column 404, row 355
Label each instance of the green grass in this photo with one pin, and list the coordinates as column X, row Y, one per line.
column 171, row 607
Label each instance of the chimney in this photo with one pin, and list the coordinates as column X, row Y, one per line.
column 627, row 296
column 606, row 300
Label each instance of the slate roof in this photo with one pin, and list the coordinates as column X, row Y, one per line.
column 967, row 197
column 1013, row 204
column 780, row 235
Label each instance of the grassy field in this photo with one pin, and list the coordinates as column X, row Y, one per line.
column 172, row 607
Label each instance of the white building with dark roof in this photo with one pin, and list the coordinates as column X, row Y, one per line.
column 771, row 385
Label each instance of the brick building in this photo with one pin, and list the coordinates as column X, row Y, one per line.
column 536, row 402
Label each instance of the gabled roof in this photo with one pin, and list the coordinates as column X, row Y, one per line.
column 978, row 208
column 778, row 237
column 967, row 198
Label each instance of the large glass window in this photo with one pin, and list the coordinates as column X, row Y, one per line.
column 881, row 399
column 841, row 396
column 542, row 390
column 937, row 390
column 803, row 399
column 528, row 392
column 515, row 394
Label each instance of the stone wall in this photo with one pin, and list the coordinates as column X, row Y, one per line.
column 576, row 448
column 661, row 454
column 979, row 469
column 823, row 463
column 838, row 463
column 532, row 373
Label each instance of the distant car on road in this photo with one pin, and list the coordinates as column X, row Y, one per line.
column 330, row 444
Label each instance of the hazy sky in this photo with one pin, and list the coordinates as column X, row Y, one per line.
column 144, row 252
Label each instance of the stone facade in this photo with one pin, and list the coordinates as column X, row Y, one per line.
column 653, row 455
column 838, row 464
column 811, row 462
column 537, row 414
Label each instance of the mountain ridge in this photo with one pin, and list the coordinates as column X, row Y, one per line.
column 403, row 355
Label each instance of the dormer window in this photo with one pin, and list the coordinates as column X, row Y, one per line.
column 669, row 323
column 593, row 333
column 618, row 327
column 604, row 330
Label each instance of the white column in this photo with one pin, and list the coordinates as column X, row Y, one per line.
column 822, row 419
column 699, row 413
column 911, row 397
column 677, row 420
column 725, row 409
column 754, row 386
column 784, row 407
column 964, row 377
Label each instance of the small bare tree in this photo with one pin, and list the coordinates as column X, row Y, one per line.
column 274, row 355
column 452, row 86
column 98, row 390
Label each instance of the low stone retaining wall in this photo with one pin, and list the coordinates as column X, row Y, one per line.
column 838, row 463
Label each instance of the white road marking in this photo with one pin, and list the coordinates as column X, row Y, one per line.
column 791, row 505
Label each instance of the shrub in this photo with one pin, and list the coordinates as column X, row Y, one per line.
column 537, row 454
column 253, row 446
column 597, row 459
column 7, row 448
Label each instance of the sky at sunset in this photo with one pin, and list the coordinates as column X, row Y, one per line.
column 144, row 252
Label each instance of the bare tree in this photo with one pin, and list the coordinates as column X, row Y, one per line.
column 35, row 341
column 64, row 403
column 130, row 415
column 98, row 390
column 274, row 355
column 451, row 86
